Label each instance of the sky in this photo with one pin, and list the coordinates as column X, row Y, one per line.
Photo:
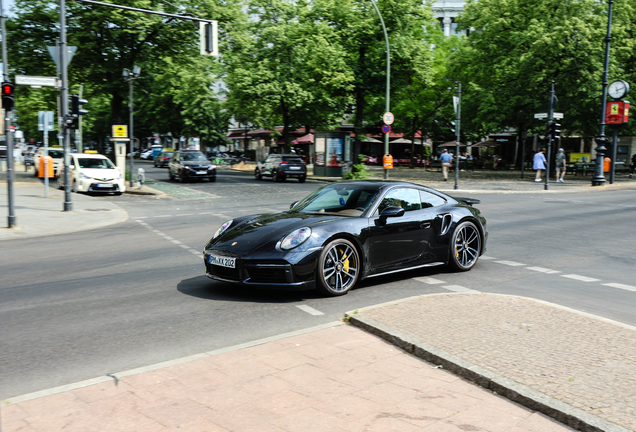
column 7, row 5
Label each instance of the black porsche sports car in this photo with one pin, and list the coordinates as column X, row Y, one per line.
column 345, row 232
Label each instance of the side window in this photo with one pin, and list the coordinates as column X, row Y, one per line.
column 431, row 200
column 407, row 198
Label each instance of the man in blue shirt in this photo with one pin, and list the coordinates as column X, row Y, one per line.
column 446, row 160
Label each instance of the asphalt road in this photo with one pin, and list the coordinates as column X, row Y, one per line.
column 86, row 304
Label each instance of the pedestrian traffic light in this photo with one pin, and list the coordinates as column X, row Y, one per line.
column 7, row 96
column 453, row 126
column 76, row 111
column 555, row 130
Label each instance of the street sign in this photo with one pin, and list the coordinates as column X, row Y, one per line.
column 45, row 120
column 386, row 128
column 37, row 81
column 120, row 131
column 555, row 115
column 388, row 118
column 54, row 51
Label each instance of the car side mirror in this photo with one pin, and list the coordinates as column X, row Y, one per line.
column 292, row 205
column 391, row 211
column 262, row 161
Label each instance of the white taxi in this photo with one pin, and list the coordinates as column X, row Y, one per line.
column 93, row 173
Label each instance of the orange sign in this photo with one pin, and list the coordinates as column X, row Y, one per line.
column 387, row 161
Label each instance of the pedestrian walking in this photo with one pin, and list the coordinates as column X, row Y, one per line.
column 446, row 160
column 539, row 163
column 560, row 165
column 632, row 166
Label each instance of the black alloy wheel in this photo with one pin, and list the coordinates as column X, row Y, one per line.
column 302, row 179
column 465, row 246
column 338, row 268
column 257, row 174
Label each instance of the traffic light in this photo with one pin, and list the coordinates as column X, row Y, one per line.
column 453, row 126
column 208, row 38
column 76, row 111
column 555, row 130
column 7, row 96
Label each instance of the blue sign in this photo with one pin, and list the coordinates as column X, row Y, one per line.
column 386, row 128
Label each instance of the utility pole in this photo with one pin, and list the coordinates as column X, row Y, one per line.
column 68, row 204
column 457, row 119
column 7, row 125
column 549, row 129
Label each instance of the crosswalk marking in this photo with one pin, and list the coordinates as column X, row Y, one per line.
column 309, row 310
column 580, row 278
column 621, row 286
column 429, row 280
column 461, row 289
column 543, row 270
column 510, row 263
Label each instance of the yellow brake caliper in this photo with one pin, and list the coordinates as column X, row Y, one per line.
column 345, row 262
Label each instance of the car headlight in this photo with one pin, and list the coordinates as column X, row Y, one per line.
column 82, row 175
column 295, row 238
column 223, row 228
column 211, row 167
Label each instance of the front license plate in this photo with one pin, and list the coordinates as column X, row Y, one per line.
column 104, row 185
column 202, row 172
column 222, row 261
column 294, row 168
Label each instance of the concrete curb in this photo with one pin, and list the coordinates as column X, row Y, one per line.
column 523, row 395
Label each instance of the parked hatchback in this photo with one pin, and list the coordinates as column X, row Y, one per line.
column 280, row 167
column 191, row 165
column 93, row 173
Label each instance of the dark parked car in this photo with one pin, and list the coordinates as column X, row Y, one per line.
column 281, row 166
column 163, row 159
column 345, row 232
column 191, row 165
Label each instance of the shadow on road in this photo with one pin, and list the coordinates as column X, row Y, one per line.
column 208, row 289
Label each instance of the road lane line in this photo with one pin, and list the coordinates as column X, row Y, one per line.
column 510, row 263
column 196, row 252
column 484, row 257
column 140, row 217
column 185, row 246
column 309, row 310
column 543, row 270
column 621, row 286
column 185, row 214
column 163, row 216
column 429, row 280
column 461, row 289
column 580, row 278
column 177, row 242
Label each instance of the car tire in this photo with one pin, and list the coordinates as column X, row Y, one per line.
column 170, row 176
column 465, row 246
column 181, row 177
column 339, row 268
column 117, row 193
column 257, row 174
column 213, row 179
column 302, row 179
column 274, row 176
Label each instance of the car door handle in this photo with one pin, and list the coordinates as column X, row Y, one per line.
column 425, row 225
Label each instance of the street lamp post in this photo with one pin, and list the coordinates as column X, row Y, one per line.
column 599, row 179
column 388, row 81
column 130, row 76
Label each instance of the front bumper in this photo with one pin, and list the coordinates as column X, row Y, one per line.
column 262, row 272
column 198, row 174
column 93, row 185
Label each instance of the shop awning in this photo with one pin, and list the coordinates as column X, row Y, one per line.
column 486, row 144
column 307, row 139
column 451, row 144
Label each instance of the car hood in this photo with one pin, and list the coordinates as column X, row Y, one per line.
column 264, row 231
column 100, row 174
column 196, row 163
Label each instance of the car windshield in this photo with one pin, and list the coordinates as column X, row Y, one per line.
column 56, row 154
column 167, row 154
column 292, row 159
column 340, row 199
column 95, row 163
column 193, row 157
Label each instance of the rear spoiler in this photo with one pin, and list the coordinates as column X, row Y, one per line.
column 469, row 201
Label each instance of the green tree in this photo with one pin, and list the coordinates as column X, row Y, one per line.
column 517, row 48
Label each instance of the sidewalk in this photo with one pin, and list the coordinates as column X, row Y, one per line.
column 553, row 362
column 37, row 215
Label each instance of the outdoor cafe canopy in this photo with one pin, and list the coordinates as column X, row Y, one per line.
column 451, row 144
